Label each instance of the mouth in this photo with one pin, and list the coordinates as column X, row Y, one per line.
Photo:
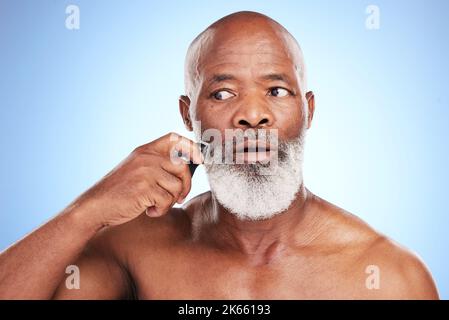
column 252, row 151
column 252, row 146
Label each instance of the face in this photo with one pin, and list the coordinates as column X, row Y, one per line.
column 249, row 79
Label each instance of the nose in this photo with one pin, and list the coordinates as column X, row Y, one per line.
column 253, row 113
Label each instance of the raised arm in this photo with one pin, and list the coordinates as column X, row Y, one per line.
column 150, row 178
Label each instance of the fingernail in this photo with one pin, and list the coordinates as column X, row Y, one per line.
column 151, row 212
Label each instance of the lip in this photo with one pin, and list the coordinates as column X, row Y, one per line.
column 252, row 146
column 252, row 151
column 253, row 157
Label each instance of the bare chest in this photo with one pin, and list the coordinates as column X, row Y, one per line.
column 176, row 273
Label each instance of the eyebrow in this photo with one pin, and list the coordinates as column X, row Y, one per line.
column 217, row 78
column 277, row 77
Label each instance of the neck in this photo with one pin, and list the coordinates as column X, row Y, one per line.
column 264, row 239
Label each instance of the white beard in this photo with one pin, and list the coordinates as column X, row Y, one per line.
column 249, row 195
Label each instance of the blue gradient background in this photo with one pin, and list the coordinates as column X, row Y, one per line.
column 73, row 104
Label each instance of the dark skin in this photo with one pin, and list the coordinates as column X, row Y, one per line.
column 312, row 250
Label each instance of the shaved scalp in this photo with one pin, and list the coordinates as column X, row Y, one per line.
column 239, row 25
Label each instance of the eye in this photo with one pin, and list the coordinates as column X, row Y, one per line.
column 278, row 92
column 222, row 95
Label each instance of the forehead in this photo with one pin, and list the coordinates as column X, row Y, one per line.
column 267, row 51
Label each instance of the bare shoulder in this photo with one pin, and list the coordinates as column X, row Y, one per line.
column 401, row 273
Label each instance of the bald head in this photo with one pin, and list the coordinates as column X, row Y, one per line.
column 245, row 33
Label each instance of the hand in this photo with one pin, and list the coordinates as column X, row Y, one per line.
column 152, row 179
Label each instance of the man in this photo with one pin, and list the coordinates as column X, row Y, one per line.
column 259, row 234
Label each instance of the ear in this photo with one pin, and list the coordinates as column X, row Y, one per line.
column 184, row 105
column 311, row 106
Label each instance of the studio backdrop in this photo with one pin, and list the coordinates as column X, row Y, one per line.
column 82, row 83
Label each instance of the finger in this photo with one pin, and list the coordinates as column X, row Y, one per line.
column 182, row 172
column 171, row 183
column 162, row 200
column 180, row 146
column 151, row 212
column 175, row 144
